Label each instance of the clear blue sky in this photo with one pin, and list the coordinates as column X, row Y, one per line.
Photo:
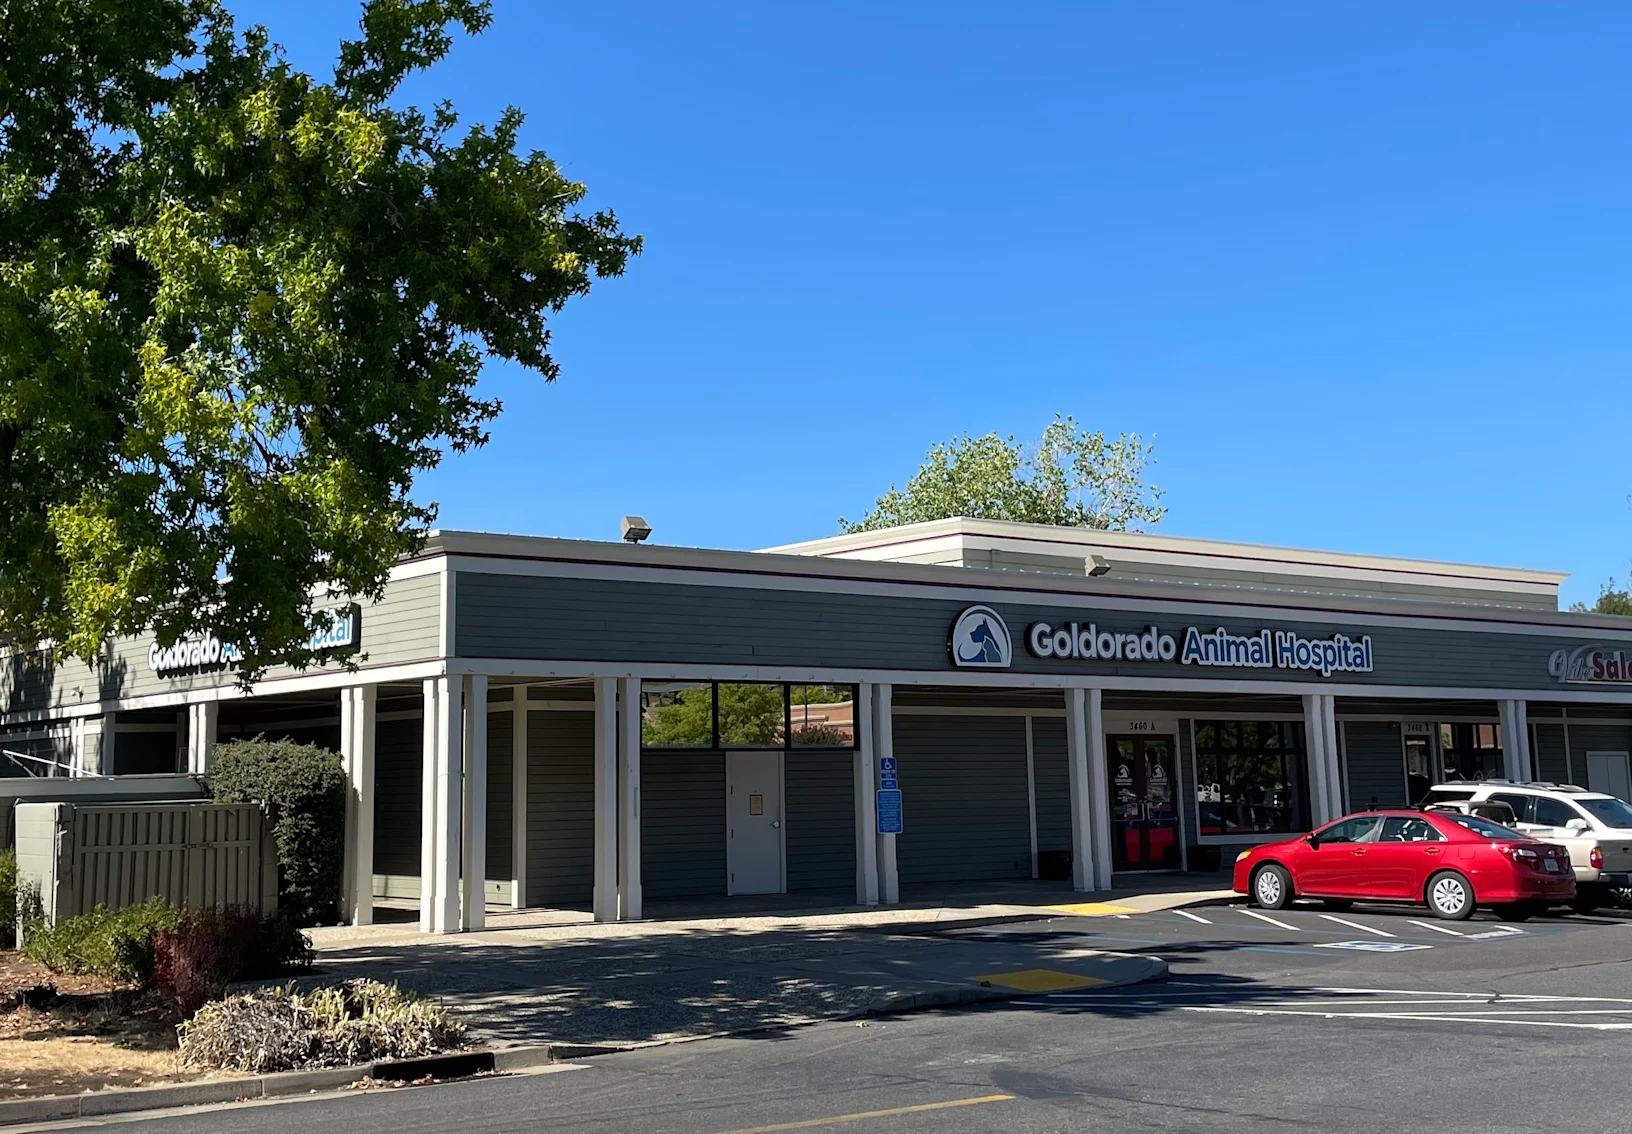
column 1361, row 269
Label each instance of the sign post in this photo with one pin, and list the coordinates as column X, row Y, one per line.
column 888, row 798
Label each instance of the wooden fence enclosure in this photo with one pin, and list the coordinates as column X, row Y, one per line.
column 117, row 855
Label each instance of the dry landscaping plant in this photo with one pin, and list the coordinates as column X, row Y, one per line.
column 279, row 1029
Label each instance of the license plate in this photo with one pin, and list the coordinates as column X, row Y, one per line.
column 1550, row 864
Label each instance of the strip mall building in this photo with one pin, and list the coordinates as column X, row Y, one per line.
column 565, row 723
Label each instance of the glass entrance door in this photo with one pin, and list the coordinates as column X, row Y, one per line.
column 1144, row 820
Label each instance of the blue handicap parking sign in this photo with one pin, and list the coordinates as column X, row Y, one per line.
column 889, row 811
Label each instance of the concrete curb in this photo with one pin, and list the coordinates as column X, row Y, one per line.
column 455, row 1064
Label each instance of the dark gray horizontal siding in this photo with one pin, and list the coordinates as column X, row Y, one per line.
column 1053, row 780
column 501, row 781
column 522, row 617
column 398, row 791
column 964, row 801
column 1548, row 751
column 560, row 808
column 821, row 828
column 682, row 824
column 1598, row 738
column 1376, row 764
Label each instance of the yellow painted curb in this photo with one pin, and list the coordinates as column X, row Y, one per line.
column 1093, row 909
column 1040, row 980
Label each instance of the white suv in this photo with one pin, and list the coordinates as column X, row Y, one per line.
column 1597, row 829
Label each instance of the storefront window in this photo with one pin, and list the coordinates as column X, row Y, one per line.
column 1248, row 777
column 752, row 716
column 1471, row 751
column 676, row 715
column 822, row 715
column 686, row 714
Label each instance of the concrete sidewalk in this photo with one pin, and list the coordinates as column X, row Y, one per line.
column 554, row 976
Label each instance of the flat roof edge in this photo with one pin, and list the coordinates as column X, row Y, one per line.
column 481, row 545
column 1090, row 537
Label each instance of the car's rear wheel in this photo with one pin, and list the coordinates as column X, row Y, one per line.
column 1338, row 904
column 1272, row 887
column 1584, row 905
column 1450, row 896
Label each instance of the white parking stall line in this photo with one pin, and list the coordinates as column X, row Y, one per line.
column 1192, row 917
column 1420, row 1017
column 1272, row 921
column 1479, row 997
column 1438, row 928
column 1357, row 925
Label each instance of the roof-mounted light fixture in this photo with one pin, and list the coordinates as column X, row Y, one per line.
column 1098, row 565
column 635, row 529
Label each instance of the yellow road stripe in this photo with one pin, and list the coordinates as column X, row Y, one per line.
column 1040, row 980
column 1092, row 909
column 812, row 1123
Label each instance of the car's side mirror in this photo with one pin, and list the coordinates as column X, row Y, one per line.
column 1312, row 839
column 1578, row 824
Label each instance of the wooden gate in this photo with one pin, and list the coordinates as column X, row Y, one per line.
column 117, row 855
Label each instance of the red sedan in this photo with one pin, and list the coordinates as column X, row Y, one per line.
column 1446, row 861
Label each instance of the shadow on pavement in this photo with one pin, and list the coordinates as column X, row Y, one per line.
column 653, row 988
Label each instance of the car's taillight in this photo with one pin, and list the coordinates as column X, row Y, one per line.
column 1596, row 859
column 1522, row 854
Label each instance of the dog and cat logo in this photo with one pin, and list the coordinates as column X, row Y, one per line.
column 980, row 640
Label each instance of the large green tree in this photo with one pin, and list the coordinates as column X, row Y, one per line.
column 1071, row 477
column 241, row 308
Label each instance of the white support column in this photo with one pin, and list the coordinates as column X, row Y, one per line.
column 606, row 799
column 357, row 714
column 440, row 836
column 1083, row 876
column 1099, row 778
column 202, row 719
column 866, row 815
column 518, row 802
column 629, row 891
column 1516, row 762
column 473, row 805
column 1325, row 777
column 889, row 877
column 105, row 737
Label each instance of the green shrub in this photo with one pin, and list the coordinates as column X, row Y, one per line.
column 8, row 899
column 279, row 1029
column 116, row 946
column 303, row 789
column 185, row 953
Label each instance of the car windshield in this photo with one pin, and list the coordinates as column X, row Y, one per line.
column 1485, row 827
column 1609, row 812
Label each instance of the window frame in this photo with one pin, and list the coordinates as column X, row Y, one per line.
column 1293, row 747
column 787, row 744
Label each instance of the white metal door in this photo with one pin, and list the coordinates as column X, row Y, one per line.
column 753, row 821
column 1607, row 772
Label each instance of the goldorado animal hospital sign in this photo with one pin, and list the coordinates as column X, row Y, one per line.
column 980, row 639
column 1267, row 649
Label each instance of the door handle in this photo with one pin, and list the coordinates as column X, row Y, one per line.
column 1358, row 853
column 1430, row 850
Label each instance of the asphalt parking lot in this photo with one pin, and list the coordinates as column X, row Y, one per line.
column 1293, row 1020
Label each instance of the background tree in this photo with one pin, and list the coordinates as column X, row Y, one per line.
column 240, row 310
column 1071, row 478
column 1611, row 600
